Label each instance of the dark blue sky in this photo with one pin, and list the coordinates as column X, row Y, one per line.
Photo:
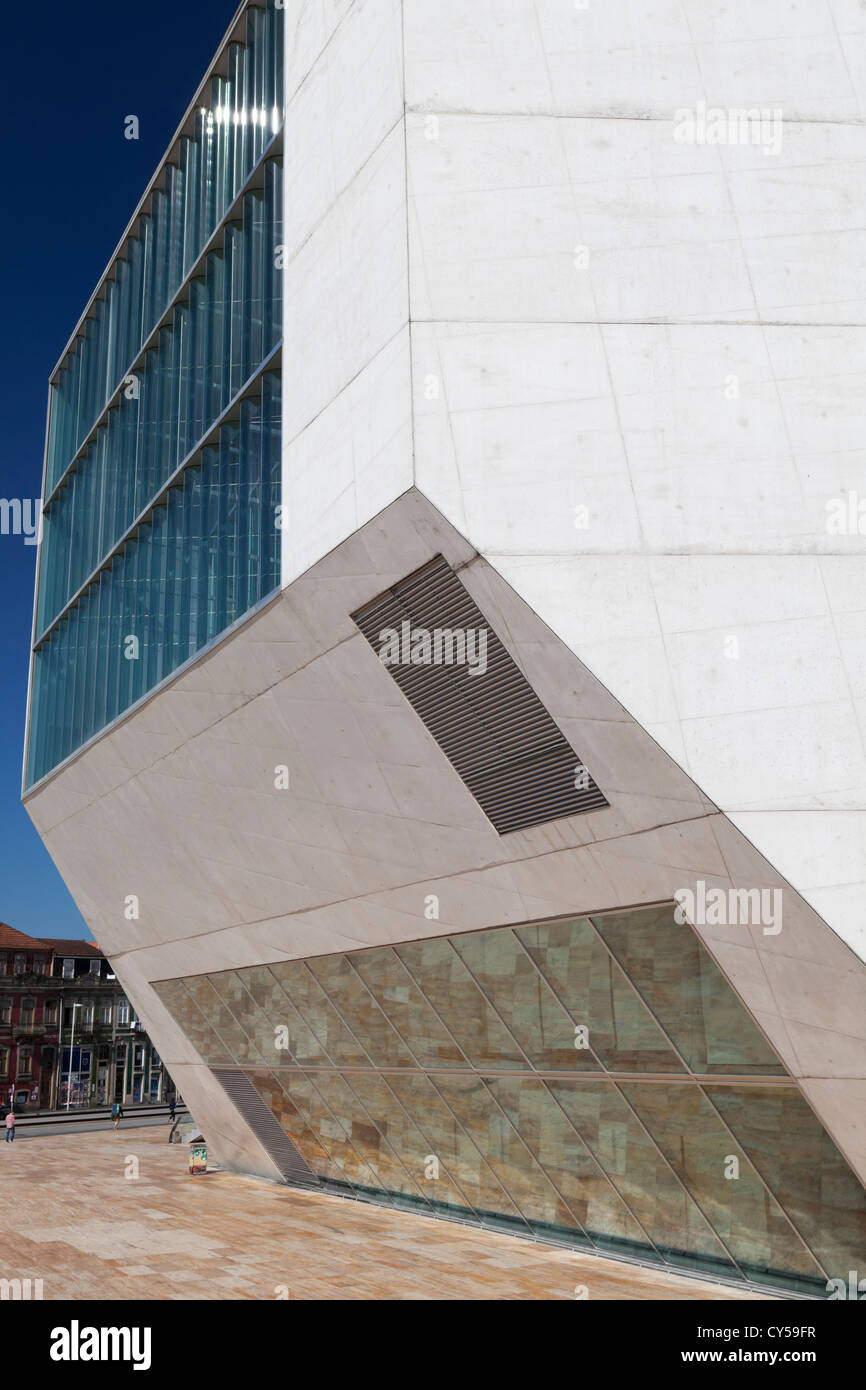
column 71, row 182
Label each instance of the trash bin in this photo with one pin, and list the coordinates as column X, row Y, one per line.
column 197, row 1156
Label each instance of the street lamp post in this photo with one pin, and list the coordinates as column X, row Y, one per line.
column 71, row 1047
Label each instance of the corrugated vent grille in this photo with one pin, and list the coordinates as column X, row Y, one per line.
column 490, row 723
column 265, row 1126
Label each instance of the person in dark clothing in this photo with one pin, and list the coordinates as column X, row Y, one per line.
column 172, row 1106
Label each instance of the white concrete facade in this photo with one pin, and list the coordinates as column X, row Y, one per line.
column 627, row 364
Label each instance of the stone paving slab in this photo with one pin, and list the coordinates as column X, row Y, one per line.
column 71, row 1217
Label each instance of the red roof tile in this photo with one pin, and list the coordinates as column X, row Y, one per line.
column 12, row 940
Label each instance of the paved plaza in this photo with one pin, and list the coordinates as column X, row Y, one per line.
column 74, row 1215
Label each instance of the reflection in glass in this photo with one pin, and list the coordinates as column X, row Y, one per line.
column 702, row 1153
column 523, row 1000
column 622, row 1032
column 440, row 1076
column 687, row 992
column 441, row 975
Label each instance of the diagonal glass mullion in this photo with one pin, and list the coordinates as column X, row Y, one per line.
column 346, row 1125
column 621, row 971
column 485, row 1220
column 690, row 1196
column 307, row 1120
column 347, row 1079
column 338, row 1070
column 394, row 1029
column 692, row 1075
column 206, row 1023
column 537, row 1161
column 316, row 1129
column 532, row 1071
column 707, row 1092
column 701, row 950
column 610, row 1076
column 308, row 1078
column 198, row 981
column 454, row 1180
column 264, row 1077
column 669, row 1263
column 336, row 1063
column 603, row 1071
column 474, row 1070
column 219, row 975
column 295, row 1012
column 376, row 1005
column 485, row 996
column 421, row 1069
column 471, row 1070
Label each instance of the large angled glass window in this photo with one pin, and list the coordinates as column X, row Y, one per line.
column 597, row 1207
column 442, row 1076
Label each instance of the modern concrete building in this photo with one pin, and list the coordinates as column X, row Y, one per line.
column 494, row 843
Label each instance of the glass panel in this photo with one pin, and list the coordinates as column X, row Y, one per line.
column 406, row 1139
column 687, row 992
column 286, row 1111
column 319, row 1014
column 249, row 1018
column 270, row 997
column 726, row 1179
column 722, row 1181
column 596, row 1206
column 332, row 1129
column 169, row 398
column 640, row 1174
column 186, row 1013
column 619, row 1028
column 359, row 1010
column 237, row 1045
column 397, row 994
column 544, row 1209
column 450, row 989
column 802, row 1166
column 367, row 1141
column 524, row 1001
column 173, row 586
column 453, row 1149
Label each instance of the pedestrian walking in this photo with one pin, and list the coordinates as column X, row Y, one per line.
column 172, row 1106
column 10, row 1127
column 117, row 1113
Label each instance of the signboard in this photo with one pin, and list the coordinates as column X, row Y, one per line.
column 198, row 1158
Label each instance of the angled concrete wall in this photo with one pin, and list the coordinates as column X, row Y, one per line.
column 180, row 806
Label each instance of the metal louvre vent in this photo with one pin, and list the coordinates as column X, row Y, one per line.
column 265, row 1126
column 481, row 710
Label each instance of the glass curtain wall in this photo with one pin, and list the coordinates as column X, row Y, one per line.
column 216, row 339
column 163, row 456
column 205, row 554
column 193, row 196
column 593, row 1081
